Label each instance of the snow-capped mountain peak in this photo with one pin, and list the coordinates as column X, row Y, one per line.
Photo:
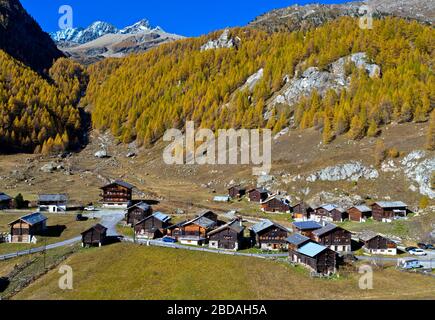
column 99, row 29
column 140, row 26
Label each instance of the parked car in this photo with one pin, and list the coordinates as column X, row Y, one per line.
column 425, row 246
column 430, row 247
column 169, row 240
column 417, row 252
column 410, row 249
column 409, row 264
column 90, row 208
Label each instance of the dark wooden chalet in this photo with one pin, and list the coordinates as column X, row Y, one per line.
column 5, row 201
column 387, row 211
column 302, row 211
column 236, row 192
column 268, row 235
column 316, row 257
column 359, row 213
column 377, row 244
column 117, row 194
column 334, row 237
column 24, row 229
column 306, row 228
column 228, row 237
column 153, row 227
column 258, row 195
column 137, row 213
column 329, row 212
column 194, row 232
column 276, row 204
column 95, row 236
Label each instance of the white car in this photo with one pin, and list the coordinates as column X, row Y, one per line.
column 90, row 208
column 418, row 252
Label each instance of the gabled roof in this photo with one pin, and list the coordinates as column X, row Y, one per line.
column 391, row 204
column 179, row 224
column 238, row 186
column 367, row 235
column 265, row 224
column 53, row 198
column 261, row 190
column 277, row 197
column 161, row 216
column 307, row 225
column 98, row 227
column 121, row 183
column 331, row 207
column 32, row 219
column 311, row 249
column 202, row 222
column 235, row 225
column 297, row 239
column 326, row 229
column 4, row 197
column 141, row 205
column 362, row 208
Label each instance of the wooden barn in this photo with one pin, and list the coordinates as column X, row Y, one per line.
column 5, row 201
column 95, row 236
column 268, row 235
column 195, row 231
column 228, row 237
column 258, row 195
column 329, row 213
column 302, row 211
column 26, row 228
column 137, row 212
column 236, row 192
column 175, row 230
column 276, row 204
column 388, row 211
column 359, row 213
column 152, row 227
column 316, row 257
column 53, row 203
column 377, row 244
column 334, row 237
column 117, row 194
column 306, row 228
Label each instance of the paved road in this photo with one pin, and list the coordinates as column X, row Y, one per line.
column 108, row 218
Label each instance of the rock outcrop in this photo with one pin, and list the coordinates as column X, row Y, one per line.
column 224, row 41
column 352, row 171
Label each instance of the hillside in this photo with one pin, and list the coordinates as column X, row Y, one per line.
column 208, row 276
column 146, row 94
column 39, row 115
column 22, row 38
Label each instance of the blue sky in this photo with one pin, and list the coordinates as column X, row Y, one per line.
column 188, row 17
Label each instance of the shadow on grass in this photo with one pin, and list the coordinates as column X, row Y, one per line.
column 4, row 284
column 54, row 231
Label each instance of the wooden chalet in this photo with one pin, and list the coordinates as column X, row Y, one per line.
column 388, row 211
column 276, row 204
column 359, row 213
column 236, row 192
column 194, row 232
column 117, row 194
column 137, row 213
column 175, row 230
column 306, row 228
column 316, row 257
column 329, row 213
column 228, row 237
column 334, row 237
column 5, row 201
column 95, row 236
column 268, row 235
column 152, row 227
column 377, row 244
column 53, row 203
column 24, row 229
column 258, row 195
column 302, row 211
